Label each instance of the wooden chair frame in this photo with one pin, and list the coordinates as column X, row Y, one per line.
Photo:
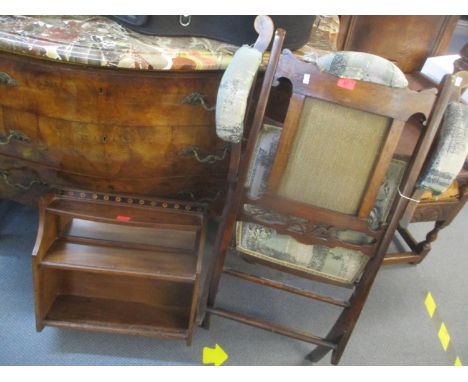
column 440, row 212
column 418, row 250
column 397, row 104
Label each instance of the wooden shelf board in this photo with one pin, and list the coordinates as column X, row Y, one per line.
column 124, row 317
column 131, row 237
column 124, row 261
column 125, row 215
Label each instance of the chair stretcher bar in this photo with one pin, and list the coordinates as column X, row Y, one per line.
column 285, row 287
column 274, row 328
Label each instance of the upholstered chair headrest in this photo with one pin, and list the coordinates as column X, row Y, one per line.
column 450, row 154
column 363, row 67
column 237, row 83
column 233, row 93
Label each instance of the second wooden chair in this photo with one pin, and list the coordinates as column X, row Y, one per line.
column 318, row 196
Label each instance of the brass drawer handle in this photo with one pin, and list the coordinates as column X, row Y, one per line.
column 198, row 99
column 15, row 135
column 209, row 158
column 5, row 176
column 6, row 79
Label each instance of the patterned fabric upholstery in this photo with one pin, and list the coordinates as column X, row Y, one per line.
column 262, row 160
column 296, row 224
column 233, row 93
column 387, row 193
column 451, row 151
column 337, row 264
column 363, row 67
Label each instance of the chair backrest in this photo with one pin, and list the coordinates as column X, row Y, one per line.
column 322, row 179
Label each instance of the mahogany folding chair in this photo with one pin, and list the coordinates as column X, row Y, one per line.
column 306, row 198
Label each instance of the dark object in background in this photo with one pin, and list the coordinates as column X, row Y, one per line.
column 237, row 30
column 462, row 62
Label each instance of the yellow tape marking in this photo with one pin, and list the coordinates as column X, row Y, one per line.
column 444, row 337
column 430, row 304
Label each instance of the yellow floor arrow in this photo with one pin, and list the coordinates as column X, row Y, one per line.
column 217, row 355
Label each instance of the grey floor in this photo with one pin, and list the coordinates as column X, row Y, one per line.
column 394, row 328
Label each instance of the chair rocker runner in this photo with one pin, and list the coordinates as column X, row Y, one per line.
column 317, row 183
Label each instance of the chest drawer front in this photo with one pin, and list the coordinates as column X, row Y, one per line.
column 108, row 123
column 115, row 97
column 109, row 150
column 24, row 181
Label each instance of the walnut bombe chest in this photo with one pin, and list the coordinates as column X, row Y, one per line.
column 89, row 104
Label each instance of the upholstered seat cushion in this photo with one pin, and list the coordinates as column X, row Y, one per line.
column 336, row 264
column 451, row 193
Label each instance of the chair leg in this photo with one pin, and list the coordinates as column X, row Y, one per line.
column 317, row 354
column 337, row 353
column 424, row 247
column 220, row 249
column 344, row 325
column 223, row 238
column 205, row 324
column 340, row 334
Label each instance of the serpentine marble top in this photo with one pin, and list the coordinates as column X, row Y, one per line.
column 99, row 41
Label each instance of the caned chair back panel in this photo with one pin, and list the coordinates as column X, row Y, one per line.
column 333, row 155
column 336, row 145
